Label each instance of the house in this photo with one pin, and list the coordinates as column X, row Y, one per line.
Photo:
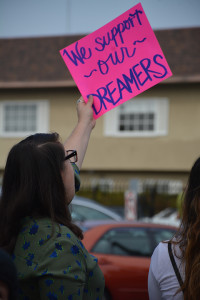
column 153, row 137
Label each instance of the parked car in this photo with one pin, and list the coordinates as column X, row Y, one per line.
column 166, row 216
column 123, row 250
column 83, row 209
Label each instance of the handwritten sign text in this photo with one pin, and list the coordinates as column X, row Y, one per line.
column 117, row 62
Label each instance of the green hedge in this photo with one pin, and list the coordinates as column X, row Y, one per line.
column 149, row 202
column 105, row 198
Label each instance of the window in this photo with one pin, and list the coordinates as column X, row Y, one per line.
column 20, row 118
column 158, row 235
column 138, row 117
column 125, row 241
column 132, row 241
column 82, row 213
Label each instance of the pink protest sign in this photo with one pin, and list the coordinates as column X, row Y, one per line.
column 117, row 62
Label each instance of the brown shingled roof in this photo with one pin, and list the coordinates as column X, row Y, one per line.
column 181, row 48
column 36, row 62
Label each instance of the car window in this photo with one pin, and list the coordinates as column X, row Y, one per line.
column 160, row 234
column 128, row 241
column 82, row 213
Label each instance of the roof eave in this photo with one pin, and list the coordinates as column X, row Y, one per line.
column 71, row 83
column 36, row 84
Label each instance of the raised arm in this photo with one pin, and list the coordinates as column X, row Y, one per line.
column 79, row 138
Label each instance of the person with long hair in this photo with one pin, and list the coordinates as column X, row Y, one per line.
column 36, row 229
column 175, row 265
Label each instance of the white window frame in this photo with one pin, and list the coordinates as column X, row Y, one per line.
column 42, row 122
column 160, row 108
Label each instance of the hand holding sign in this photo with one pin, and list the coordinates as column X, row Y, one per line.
column 84, row 111
column 117, row 62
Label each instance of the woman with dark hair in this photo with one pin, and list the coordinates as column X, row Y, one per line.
column 175, row 265
column 40, row 179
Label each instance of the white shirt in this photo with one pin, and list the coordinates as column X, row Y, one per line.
column 162, row 281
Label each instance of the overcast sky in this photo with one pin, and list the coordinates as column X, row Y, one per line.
column 29, row 18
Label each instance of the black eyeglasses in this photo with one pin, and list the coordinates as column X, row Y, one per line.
column 71, row 155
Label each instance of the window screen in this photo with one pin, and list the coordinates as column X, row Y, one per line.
column 20, row 117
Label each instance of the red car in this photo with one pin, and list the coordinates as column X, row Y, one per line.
column 124, row 250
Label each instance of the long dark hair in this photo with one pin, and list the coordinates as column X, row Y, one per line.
column 33, row 186
column 188, row 236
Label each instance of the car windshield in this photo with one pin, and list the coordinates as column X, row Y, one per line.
column 132, row 241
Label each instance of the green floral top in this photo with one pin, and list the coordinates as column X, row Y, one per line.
column 57, row 267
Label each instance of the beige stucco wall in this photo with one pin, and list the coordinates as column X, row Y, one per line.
column 172, row 153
